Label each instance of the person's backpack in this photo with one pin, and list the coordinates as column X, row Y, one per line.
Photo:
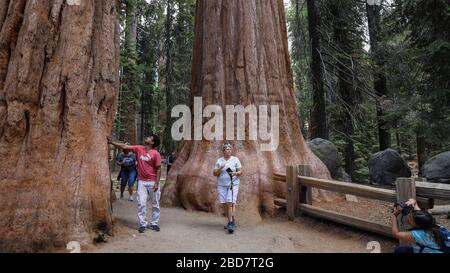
column 445, row 233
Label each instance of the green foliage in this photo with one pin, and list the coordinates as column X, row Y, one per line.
column 296, row 15
column 145, row 65
column 176, row 70
column 418, row 46
column 415, row 44
column 150, row 35
column 129, row 68
column 344, row 62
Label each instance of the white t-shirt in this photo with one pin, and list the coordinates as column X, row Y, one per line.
column 224, row 178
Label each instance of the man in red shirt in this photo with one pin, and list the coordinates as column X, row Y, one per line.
column 149, row 173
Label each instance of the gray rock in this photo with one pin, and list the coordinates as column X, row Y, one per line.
column 386, row 166
column 326, row 151
column 437, row 168
column 342, row 176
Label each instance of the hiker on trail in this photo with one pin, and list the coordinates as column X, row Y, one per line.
column 128, row 172
column 425, row 236
column 227, row 170
column 149, row 173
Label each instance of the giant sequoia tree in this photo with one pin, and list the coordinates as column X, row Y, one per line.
column 241, row 57
column 58, row 82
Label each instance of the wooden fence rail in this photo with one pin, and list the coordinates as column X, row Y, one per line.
column 352, row 221
column 299, row 201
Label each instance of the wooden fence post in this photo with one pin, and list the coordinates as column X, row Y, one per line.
column 305, row 192
column 424, row 203
column 292, row 196
column 405, row 190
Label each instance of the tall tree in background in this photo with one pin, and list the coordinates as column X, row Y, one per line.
column 373, row 18
column 130, row 79
column 183, row 34
column 167, row 140
column 159, row 66
column 318, row 124
column 180, row 63
column 428, row 22
column 58, row 83
column 345, row 53
column 297, row 30
column 419, row 38
column 333, row 70
column 150, row 44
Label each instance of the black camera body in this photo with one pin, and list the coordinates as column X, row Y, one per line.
column 405, row 209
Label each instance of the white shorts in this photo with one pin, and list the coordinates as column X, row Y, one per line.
column 225, row 194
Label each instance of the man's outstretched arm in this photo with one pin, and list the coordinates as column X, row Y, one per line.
column 118, row 144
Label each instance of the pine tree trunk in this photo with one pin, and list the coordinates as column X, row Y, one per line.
column 422, row 155
column 168, row 78
column 241, row 56
column 58, row 84
column 128, row 102
column 318, row 125
column 296, row 56
column 342, row 37
column 373, row 16
column 399, row 145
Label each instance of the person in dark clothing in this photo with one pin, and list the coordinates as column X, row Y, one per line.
column 128, row 172
column 170, row 160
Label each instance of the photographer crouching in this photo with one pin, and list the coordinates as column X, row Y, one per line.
column 425, row 236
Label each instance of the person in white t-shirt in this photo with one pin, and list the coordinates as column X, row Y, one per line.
column 227, row 170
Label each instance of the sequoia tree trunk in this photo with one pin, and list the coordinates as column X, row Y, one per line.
column 58, row 84
column 241, row 57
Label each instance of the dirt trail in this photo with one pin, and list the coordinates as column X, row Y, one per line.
column 183, row 231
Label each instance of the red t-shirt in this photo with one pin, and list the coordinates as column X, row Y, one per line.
column 148, row 162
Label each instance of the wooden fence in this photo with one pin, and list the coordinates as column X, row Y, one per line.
column 299, row 196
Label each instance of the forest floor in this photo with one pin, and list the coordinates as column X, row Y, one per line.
column 184, row 231
column 191, row 231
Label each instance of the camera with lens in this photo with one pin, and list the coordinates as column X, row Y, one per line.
column 404, row 208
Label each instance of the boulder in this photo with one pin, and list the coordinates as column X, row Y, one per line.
column 437, row 168
column 386, row 166
column 342, row 176
column 326, row 151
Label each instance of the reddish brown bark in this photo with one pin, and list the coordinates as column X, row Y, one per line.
column 58, row 83
column 241, row 57
column 3, row 10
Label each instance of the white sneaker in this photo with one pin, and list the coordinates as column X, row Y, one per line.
column 131, row 199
